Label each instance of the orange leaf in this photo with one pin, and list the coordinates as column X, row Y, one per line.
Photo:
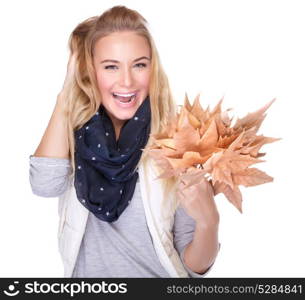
column 251, row 177
column 223, row 164
column 189, row 159
column 197, row 110
column 187, row 103
column 221, row 127
column 186, row 139
column 194, row 121
column 233, row 195
column 210, row 138
column 217, row 108
column 251, row 119
column 169, row 143
column 199, row 142
column 192, row 176
column 183, row 119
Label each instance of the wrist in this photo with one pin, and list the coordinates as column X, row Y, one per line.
column 60, row 102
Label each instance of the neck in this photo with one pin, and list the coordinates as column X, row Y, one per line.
column 117, row 133
column 117, row 124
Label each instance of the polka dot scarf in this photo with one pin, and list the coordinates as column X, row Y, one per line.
column 105, row 169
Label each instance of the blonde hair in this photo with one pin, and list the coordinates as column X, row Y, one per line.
column 83, row 97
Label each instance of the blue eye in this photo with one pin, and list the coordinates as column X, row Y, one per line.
column 141, row 65
column 111, row 67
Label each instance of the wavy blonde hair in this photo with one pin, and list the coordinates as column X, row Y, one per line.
column 83, row 98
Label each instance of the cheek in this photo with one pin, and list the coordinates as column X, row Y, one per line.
column 143, row 80
column 104, row 84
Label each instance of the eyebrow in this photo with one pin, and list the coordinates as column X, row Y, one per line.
column 116, row 61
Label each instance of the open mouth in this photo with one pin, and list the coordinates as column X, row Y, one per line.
column 124, row 98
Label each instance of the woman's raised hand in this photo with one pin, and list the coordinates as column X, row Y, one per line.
column 54, row 142
column 70, row 74
column 197, row 199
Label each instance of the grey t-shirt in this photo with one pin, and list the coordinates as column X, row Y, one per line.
column 123, row 248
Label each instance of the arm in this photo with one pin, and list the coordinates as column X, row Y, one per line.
column 49, row 177
column 54, row 142
column 197, row 199
column 201, row 253
column 50, row 165
column 184, row 230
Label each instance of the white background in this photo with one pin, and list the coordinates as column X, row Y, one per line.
column 247, row 51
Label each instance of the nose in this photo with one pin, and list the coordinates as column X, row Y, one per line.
column 126, row 78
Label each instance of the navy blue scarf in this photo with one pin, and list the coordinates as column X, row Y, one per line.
column 105, row 169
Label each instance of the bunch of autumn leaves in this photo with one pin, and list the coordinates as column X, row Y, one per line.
column 202, row 144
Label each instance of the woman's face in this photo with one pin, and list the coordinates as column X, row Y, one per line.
column 122, row 66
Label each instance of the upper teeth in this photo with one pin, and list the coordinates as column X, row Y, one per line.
column 124, row 95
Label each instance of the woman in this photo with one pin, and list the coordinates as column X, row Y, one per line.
column 115, row 219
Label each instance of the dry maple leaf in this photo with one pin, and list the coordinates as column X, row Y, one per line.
column 202, row 142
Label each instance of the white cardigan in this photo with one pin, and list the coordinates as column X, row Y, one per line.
column 159, row 214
